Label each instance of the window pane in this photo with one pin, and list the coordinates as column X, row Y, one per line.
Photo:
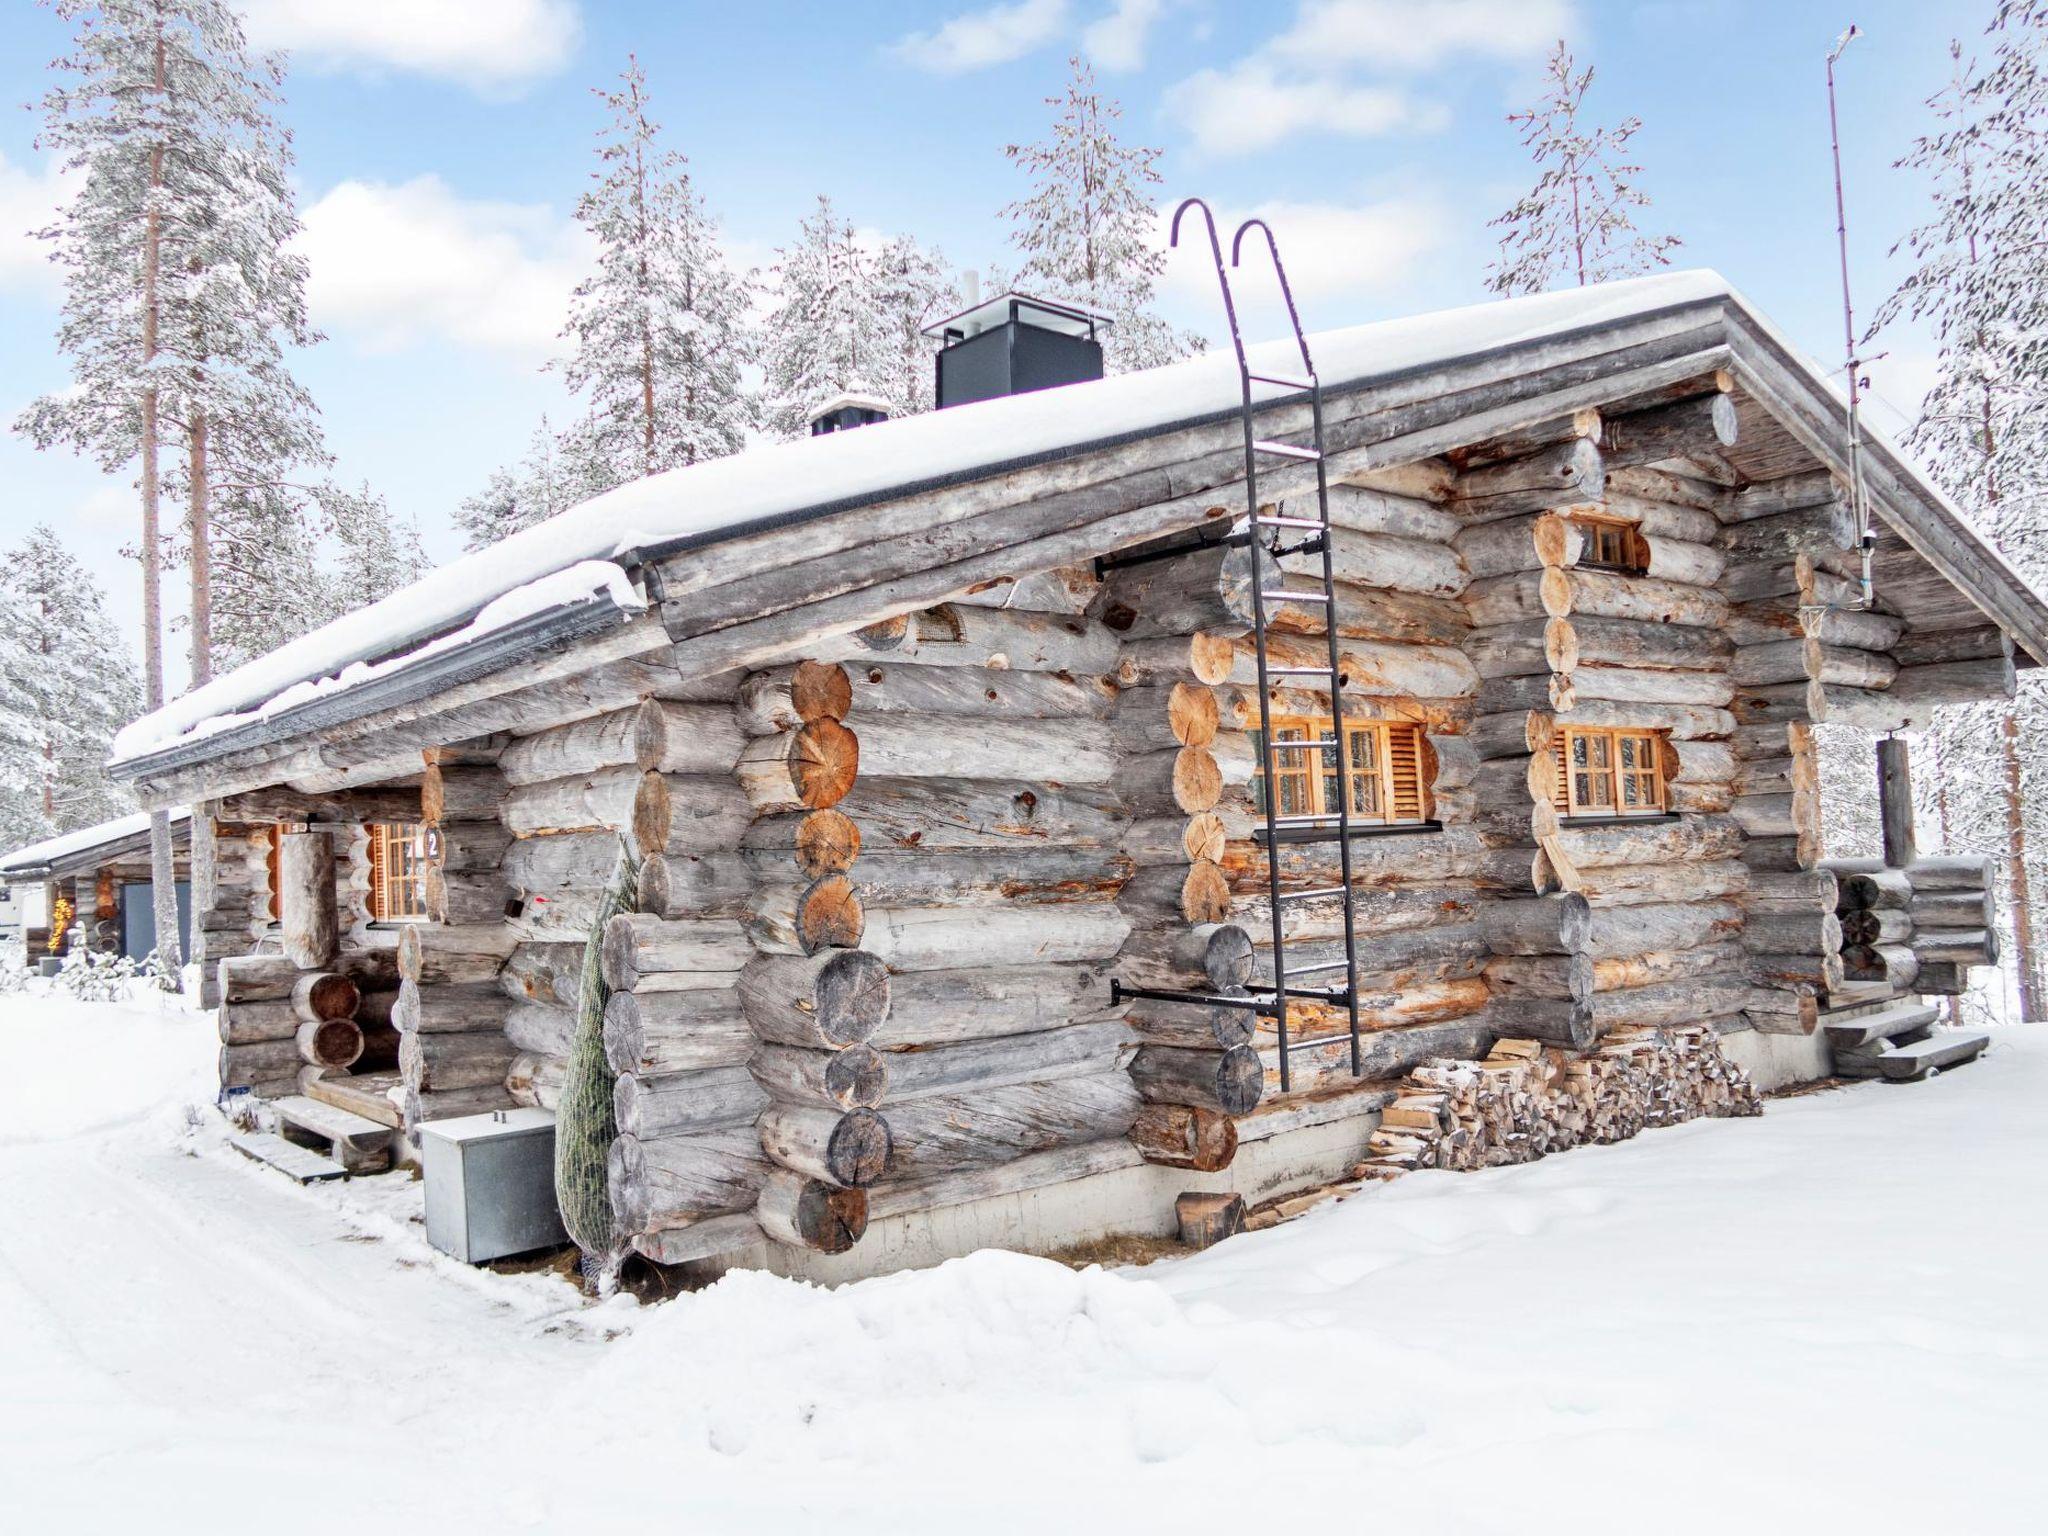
column 1602, row 751
column 1578, row 751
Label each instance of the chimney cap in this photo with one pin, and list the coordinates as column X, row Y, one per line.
column 851, row 399
column 1061, row 315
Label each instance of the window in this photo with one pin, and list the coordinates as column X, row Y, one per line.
column 1612, row 546
column 399, row 855
column 1388, row 774
column 1616, row 772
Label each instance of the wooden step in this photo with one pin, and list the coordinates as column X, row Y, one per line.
column 363, row 1094
column 1886, row 1024
column 293, row 1161
column 359, row 1144
column 1910, row 1063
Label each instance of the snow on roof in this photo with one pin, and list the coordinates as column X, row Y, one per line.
column 782, row 480
column 53, row 850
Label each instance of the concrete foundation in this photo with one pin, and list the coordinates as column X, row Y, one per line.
column 1779, row 1061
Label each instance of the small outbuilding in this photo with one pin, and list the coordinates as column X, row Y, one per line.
column 95, row 881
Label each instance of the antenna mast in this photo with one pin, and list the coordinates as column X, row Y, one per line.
column 1858, row 498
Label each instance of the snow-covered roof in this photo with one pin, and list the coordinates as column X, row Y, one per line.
column 38, row 857
column 811, row 476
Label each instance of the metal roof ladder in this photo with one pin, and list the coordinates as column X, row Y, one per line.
column 1270, row 537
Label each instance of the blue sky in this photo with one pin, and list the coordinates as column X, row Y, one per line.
column 442, row 144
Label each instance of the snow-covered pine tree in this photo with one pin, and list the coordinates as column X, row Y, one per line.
column 1979, row 283
column 827, row 332
column 1087, row 231
column 532, row 491
column 1577, row 223
column 912, row 287
column 369, row 553
column 659, row 329
column 64, row 691
column 267, row 582
column 119, row 121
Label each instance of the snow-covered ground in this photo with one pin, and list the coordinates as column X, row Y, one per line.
column 1827, row 1319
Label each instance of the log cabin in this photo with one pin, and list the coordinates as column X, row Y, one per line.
column 100, row 876
column 981, row 770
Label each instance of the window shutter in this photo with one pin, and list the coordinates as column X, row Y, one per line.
column 1404, row 762
column 377, row 903
column 270, row 853
column 1560, row 776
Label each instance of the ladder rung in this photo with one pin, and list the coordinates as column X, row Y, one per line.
column 1295, row 597
column 1285, row 450
column 1289, row 522
column 1317, row 820
column 1315, row 895
column 1274, row 378
column 1320, row 965
column 1304, row 746
column 1298, row 672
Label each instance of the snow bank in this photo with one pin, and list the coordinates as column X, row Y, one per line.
column 783, row 479
column 1729, row 1323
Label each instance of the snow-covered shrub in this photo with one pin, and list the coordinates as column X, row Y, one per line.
column 160, row 975
column 94, row 976
column 13, row 977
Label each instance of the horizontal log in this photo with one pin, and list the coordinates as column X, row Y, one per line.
column 1229, row 1081
column 855, row 1078
column 965, row 813
column 958, row 635
column 990, row 878
column 333, row 1044
column 1181, row 1136
column 438, row 1063
column 281, row 803
column 805, row 769
column 1601, row 594
column 1166, row 659
column 695, row 885
column 1970, row 872
column 977, row 1002
column 1626, row 642
column 458, row 1008
column 911, row 939
column 1702, row 423
column 808, row 1213
column 835, row 998
column 951, row 1133
column 535, row 1081
column 1364, row 509
column 672, row 954
column 1555, row 1021
column 681, row 1179
column 1388, row 561
column 1077, row 1050
column 1691, row 838
column 789, row 697
column 541, row 1027
column 1567, row 474
column 254, row 1023
column 660, row 1032
column 849, row 1149
column 799, row 918
column 1163, row 718
column 1063, row 751
column 680, row 1103
column 1617, row 932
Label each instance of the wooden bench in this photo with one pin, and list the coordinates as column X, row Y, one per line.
column 295, row 1162
column 356, row 1144
column 1912, row 1062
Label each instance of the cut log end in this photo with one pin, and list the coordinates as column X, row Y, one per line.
column 809, row 1213
column 330, row 1043
column 1181, row 1136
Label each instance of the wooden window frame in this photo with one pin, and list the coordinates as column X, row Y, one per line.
column 1612, row 544
column 1574, row 793
column 398, row 874
column 1396, row 780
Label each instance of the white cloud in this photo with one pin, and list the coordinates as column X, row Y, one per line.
column 982, row 38
column 492, row 43
column 29, row 200
column 1323, row 73
column 1389, row 35
column 396, row 266
column 1117, row 41
column 1337, row 255
column 1252, row 107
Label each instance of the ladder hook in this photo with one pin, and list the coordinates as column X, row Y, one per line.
column 1280, row 271
column 1222, row 277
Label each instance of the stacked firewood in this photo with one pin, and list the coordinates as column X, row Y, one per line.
column 1527, row 1100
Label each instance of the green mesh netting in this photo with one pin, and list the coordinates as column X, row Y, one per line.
column 584, row 1127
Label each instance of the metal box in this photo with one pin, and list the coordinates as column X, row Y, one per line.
column 491, row 1184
